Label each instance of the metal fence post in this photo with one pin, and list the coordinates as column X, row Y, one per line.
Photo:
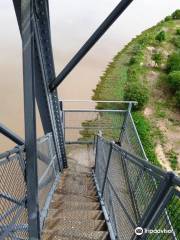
column 158, row 198
column 107, row 167
column 30, row 118
column 123, row 128
column 96, row 154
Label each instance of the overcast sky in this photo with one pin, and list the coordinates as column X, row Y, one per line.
column 72, row 23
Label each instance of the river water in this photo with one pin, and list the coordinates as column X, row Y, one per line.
column 71, row 22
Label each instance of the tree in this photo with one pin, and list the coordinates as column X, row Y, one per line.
column 176, row 14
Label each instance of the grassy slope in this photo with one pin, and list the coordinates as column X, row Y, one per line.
column 113, row 82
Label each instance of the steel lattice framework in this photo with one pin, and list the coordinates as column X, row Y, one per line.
column 40, row 83
column 132, row 192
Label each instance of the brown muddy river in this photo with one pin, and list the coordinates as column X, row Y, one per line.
column 72, row 22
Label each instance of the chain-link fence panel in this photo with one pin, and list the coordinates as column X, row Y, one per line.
column 82, row 125
column 135, row 193
column 48, row 170
column 130, row 139
column 13, row 194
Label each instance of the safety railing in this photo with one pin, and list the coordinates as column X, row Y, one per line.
column 129, row 137
column 13, row 190
column 83, row 119
column 13, row 195
column 141, row 200
column 48, row 173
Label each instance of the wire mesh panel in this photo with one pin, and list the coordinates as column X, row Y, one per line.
column 118, row 200
column 143, row 185
column 83, row 125
column 13, row 213
column 48, row 168
column 130, row 139
column 167, row 223
column 135, row 193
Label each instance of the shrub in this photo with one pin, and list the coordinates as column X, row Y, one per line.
column 157, row 57
column 173, row 159
column 177, row 98
column 137, row 92
column 176, row 41
column 178, row 31
column 173, row 63
column 146, row 134
column 174, row 80
column 133, row 60
column 176, row 14
column 161, row 36
column 134, row 72
column 168, row 18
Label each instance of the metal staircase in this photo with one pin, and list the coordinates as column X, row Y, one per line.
column 88, row 177
column 75, row 211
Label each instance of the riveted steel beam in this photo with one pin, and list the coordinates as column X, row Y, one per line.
column 30, row 118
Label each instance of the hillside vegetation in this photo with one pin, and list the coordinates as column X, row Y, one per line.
column 147, row 70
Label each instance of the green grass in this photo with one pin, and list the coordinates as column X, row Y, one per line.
column 147, row 136
column 173, row 159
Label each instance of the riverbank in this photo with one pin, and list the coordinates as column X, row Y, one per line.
column 139, row 72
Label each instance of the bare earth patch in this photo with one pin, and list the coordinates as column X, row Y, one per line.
column 162, row 157
column 148, row 111
column 169, row 126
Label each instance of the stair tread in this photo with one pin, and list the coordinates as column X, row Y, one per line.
column 77, row 191
column 73, row 197
column 73, row 235
column 73, row 224
column 76, row 214
column 75, row 205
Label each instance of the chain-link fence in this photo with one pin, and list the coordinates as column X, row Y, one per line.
column 82, row 125
column 48, row 172
column 13, row 212
column 136, row 194
column 130, row 139
column 84, row 119
column 13, row 189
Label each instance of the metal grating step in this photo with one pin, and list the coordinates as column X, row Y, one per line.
column 74, row 197
column 76, row 214
column 75, row 235
column 77, row 191
column 80, row 225
column 75, row 205
column 79, row 180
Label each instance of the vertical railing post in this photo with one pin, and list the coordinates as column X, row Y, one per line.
column 30, row 118
column 96, row 154
column 107, row 168
column 123, row 128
